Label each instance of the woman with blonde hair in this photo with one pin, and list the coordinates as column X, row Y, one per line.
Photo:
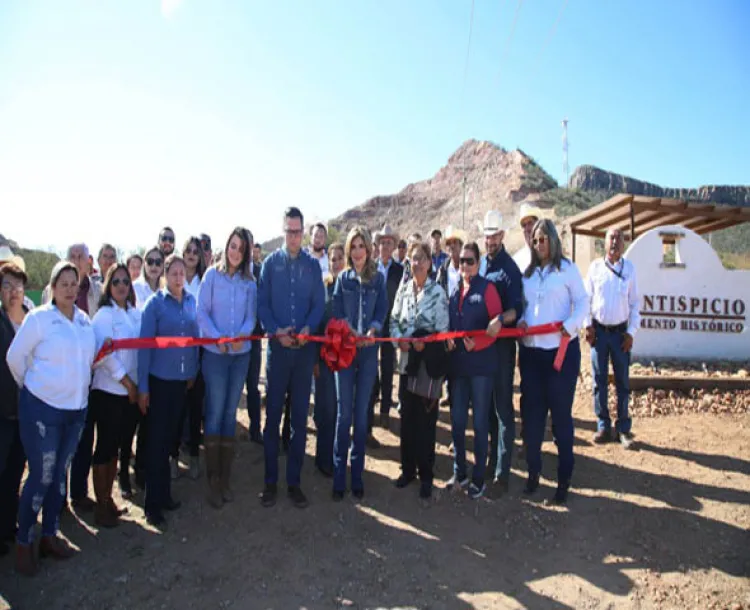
column 360, row 298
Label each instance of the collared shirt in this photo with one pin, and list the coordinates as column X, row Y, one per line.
column 438, row 259
column 193, row 285
column 226, row 307
column 613, row 294
column 454, row 277
column 384, row 268
column 523, row 258
column 52, row 356
column 290, row 292
column 503, row 272
column 322, row 261
column 554, row 295
column 165, row 316
column 114, row 322
column 142, row 292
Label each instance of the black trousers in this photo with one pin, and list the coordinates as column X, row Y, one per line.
column 418, row 425
column 81, row 464
column 167, row 400
column 105, row 412
column 132, row 420
column 12, row 462
column 193, row 411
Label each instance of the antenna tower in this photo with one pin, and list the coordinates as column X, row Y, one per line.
column 566, row 167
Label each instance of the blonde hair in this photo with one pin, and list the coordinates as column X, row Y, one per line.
column 370, row 269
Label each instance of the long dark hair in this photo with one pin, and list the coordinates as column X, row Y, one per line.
column 244, row 268
column 201, row 268
column 106, row 299
column 547, row 227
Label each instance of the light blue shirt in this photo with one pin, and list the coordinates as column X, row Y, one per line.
column 226, row 307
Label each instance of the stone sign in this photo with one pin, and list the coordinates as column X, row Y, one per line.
column 691, row 306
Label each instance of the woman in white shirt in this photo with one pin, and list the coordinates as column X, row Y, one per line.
column 50, row 359
column 115, row 386
column 152, row 278
column 553, row 292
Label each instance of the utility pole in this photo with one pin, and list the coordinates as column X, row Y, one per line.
column 566, row 167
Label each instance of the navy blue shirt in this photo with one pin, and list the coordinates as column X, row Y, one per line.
column 165, row 316
column 290, row 292
column 504, row 273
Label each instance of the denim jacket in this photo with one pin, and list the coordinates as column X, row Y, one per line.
column 363, row 305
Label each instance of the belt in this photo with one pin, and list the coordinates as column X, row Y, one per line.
column 613, row 328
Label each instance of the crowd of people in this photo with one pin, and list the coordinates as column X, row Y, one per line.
column 67, row 417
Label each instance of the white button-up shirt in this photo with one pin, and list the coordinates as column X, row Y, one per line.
column 193, row 285
column 613, row 294
column 142, row 292
column 113, row 322
column 52, row 356
column 523, row 258
column 554, row 295
column 322, row 261
column 454, row 275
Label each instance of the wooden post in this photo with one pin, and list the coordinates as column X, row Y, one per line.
column 632, row 223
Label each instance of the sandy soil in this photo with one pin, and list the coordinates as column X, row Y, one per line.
column 663, row 526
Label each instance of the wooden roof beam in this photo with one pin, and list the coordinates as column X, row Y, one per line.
column 600, row 210
column 640, row 216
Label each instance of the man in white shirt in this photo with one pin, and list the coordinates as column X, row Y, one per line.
column 613, row 294
column 317, row 249
column 449, row 272
column 528, row 216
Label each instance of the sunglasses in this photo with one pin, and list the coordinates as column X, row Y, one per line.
column 542, row 239
column 124, row 281
column 471, row 261
column 169, row 238
column 153, row 262
column 193, row 251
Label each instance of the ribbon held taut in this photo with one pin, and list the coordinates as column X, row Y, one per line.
column 339, row 343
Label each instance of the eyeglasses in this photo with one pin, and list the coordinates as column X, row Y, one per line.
column 124, row 281
column 293, row 232
column 169, row 238
column 153, row 262
column 193, row 251
column 542, row 239
column 12, row 286
column 471, row 261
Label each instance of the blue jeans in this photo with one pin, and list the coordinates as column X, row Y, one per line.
column 50, row 437
column 502, row 415
column 545, row 389
column 325, row 416
column 353, row 387
column 224, row 376
column 253, row 393
column 287, row 370
column 477, row 391
column 609, row 345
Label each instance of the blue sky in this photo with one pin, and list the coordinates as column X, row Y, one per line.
column 117, row 117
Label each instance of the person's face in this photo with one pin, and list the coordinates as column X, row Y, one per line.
column 469, row 264
column 436, row 244
column 337, row 261
column 454, row 247
column 528, row 227
column 166, row 242
column 385, row 249
column 256, row 254
column 207, row 254
column 154, row 265
column 120, row 286
column 402, row 252
column 66, row 289
column 11, row 292
column 492, row 243
column 192, row 256
column 319, row 239
column 293, row 234
column 106, row 260
column 134, row 268
column 540, row 243
column 235, row 252
column 614, row 245
column 176, row 278
column 420, row 265
column 358, row 253
column 80, row 258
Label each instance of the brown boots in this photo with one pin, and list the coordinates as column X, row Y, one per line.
column 106, row 513
column 219, row 458
column 49, row 546
column 25, row 560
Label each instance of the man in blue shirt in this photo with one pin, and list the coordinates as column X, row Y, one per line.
column 291, row 301
column 438, row 256
column 502, row 271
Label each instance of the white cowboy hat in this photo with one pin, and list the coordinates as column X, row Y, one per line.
column 452, row 233
column 528, row 210
column 386, row 231
column 493, row 223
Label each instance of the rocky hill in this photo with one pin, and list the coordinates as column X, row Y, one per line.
column 38, row 263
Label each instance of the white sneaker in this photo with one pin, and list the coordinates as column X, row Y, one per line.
column 626, row 440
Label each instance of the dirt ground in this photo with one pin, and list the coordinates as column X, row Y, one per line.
column 663, row 526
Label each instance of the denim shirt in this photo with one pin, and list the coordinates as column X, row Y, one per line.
column 503, row 271
column 363, row 305
column 226, row 307
column 165, row 316
column 290, row 292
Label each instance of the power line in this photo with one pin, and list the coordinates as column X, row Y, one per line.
column 509, row 40
column 550, row 36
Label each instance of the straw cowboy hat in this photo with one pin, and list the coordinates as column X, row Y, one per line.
column 452, row 233
column 493, row 223
column 386, row 231
column 528, row 210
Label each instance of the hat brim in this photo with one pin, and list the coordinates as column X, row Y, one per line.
column 380, row 238
column 491, row 231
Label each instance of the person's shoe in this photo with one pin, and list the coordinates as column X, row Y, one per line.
column 475, row 491
column 226, row 457
column 297, row 497
column 385, row 420
column 174, row 468
column 157, row 520
column 502, row 483
column 457, row 483
column 602, row 436
column 268, row 496
column 532, row 483
column 337, row 495
column 358, row 493
column 172, row 504
column 56, row 547
column 626, row 440
column 195, row 468
column 25, row 561
column 403, row 481
column 326, row 472
column 372, row 442
column 84, row 504
column 561, row 493
column 425, row 490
